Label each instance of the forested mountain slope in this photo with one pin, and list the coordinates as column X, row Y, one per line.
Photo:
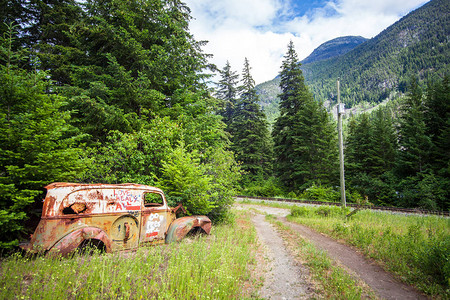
column 269, row 90
column 416, row 45
column 334, row 48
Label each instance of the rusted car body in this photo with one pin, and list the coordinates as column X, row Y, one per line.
column 115, row 216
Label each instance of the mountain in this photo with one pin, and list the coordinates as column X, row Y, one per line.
column 268, row 91
column 334, row 48
column 416, row 45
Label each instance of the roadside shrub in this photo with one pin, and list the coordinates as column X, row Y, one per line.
column 292, row 195
column 323, row 211
column 332, row 211
column 299, row 211
column 320, row 193
column 262, row 188
column 204, row 188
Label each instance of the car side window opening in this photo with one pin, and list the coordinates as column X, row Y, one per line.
column 153, row 199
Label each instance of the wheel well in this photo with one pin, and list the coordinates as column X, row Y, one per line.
column 196, row 231
column 91, row 245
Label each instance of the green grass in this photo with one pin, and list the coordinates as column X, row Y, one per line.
column 332, row 280
column 415, row 248
column 204, row 267
column 264, row 203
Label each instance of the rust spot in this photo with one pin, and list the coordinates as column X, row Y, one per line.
column 78, row 207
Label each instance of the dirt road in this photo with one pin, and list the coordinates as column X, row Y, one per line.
column 382, row 283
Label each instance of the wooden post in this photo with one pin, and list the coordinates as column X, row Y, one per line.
column 340, row 112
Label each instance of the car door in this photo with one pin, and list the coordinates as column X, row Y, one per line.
column 154, row 218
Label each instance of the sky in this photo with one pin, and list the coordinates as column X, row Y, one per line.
column 261, row 29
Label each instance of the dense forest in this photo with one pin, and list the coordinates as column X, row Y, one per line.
column 113, row 91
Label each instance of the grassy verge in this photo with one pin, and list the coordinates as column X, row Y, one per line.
column 216, row 267
column 332, row 281
column 415, row 248
column 264, row 203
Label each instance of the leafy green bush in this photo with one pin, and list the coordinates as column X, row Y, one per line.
column 203, row 188
column 263, row 188
column 320, row 193
column 299, row 211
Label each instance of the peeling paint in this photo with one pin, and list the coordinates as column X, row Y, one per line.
column 114, row 215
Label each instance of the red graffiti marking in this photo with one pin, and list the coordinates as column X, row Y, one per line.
column 151, row 234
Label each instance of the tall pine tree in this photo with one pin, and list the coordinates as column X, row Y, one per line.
column 250, row 140
column 418, row 183
column 305, row 144
column 228, row 93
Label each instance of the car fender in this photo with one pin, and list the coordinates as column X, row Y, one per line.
column 180, row 227
column 70, row 242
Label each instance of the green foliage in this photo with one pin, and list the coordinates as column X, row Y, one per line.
column 184, row 181
column 397, row 155
column 305, row 145
column 227, row 91
column 226, row 174
column 203, row 188
column 251, row 140
column 37, row 145
column 133, row 157
column 124, row 85
column 322, row 211
column 321, row 193
column 261, row 187
column 299, row 211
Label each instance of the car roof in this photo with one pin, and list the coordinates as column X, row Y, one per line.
column 80, row 186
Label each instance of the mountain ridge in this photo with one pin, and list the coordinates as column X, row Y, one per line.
column 415, row 45
column 333, row 48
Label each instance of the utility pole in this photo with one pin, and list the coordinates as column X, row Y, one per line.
column 340, row 112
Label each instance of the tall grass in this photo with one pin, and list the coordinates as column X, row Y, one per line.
column 204, row 267
column 415, row 248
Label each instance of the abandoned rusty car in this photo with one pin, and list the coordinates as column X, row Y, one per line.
column 114, row 216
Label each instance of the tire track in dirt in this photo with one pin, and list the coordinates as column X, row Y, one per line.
column 285, row 279
column 383, row 283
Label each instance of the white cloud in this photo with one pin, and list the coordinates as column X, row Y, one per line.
column 261, row 29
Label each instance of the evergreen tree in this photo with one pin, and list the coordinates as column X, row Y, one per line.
column 358, row 144
column 383, row 143
column 250, row 140
column 123, row 63
column 37, row 145
column 316, row 146
column 369, row 154
column 414, row 143
column 437, row 119
column 418, row 183
column 304, row 139
column 228, row 93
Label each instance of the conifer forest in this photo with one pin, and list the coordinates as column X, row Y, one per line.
column 111, row 91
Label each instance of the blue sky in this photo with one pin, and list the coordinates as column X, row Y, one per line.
column 261, row 29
